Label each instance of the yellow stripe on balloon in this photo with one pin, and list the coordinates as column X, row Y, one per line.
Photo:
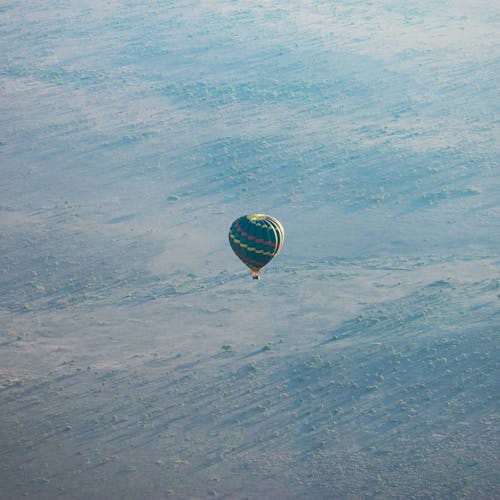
column 251, row 249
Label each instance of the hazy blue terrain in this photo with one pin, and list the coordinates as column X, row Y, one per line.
column 138, row 359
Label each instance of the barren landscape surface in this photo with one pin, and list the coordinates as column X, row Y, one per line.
column 139, row 360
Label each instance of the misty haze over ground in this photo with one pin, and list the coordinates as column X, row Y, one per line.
column 138, row 359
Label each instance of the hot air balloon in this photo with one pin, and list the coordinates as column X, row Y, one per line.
column 256, row 239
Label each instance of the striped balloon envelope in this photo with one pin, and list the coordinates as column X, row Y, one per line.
column 256, row 239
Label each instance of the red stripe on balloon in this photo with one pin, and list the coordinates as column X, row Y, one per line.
column 253, row 238
column 244, row 258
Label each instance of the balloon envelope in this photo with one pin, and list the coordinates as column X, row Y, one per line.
column 256, row 239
